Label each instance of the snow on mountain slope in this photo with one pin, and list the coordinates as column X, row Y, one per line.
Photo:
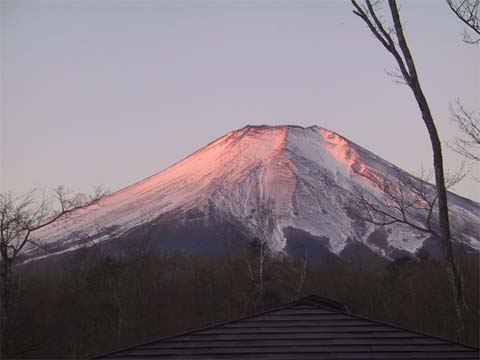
column 305, row 173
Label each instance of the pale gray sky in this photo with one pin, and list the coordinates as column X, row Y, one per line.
column 109, row 92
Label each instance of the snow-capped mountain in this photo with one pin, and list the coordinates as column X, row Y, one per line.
column 306, row 175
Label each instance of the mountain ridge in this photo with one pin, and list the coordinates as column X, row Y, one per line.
column 306, row 174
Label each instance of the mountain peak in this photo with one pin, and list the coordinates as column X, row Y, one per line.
column 306, row 174
column 271, row 127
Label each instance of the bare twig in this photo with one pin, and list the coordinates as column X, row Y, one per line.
column 468, row 11
column 468, row 122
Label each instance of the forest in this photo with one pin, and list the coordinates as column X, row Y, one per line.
column 87, row 303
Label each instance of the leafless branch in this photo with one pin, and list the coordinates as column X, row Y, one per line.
column 369, row 16
column 469, row 124
column 403, row 201
column 20, row 216
column 468, row 11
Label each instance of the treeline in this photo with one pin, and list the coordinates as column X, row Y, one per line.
column 89, row 303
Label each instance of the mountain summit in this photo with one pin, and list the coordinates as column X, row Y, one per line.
column 307, row 176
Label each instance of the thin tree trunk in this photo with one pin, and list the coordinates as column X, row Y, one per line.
column 4, row 297
column 454, row 277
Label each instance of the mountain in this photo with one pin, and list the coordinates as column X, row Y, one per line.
column 307, row 176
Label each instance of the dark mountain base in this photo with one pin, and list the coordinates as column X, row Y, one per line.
column 210, row 234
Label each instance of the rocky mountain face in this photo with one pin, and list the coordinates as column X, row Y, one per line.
column 301, row 189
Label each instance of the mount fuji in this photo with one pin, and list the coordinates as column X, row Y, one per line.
column 306, row 175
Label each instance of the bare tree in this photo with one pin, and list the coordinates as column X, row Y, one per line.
column 294, row 270
column 263, row 222
column 394, row 41
column 20, row 216
column 469, row 124
column 468, row 11
column 402, row 200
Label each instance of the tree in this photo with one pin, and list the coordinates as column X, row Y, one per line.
column 468, row 11
column 263, row 222
column 469, row 124
column 20, row 216
column 394, row 41
column 403, row 200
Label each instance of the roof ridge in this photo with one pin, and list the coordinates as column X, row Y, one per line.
column 321, row 302
column 281, row 307
column 314, row 301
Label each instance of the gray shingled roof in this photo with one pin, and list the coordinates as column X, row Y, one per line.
column 310, row 328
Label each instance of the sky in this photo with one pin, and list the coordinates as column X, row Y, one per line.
column 109, row 92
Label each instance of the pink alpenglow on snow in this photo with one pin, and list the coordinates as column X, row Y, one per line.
column 306, row 173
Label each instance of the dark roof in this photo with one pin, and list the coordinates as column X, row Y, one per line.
column 310, row 328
